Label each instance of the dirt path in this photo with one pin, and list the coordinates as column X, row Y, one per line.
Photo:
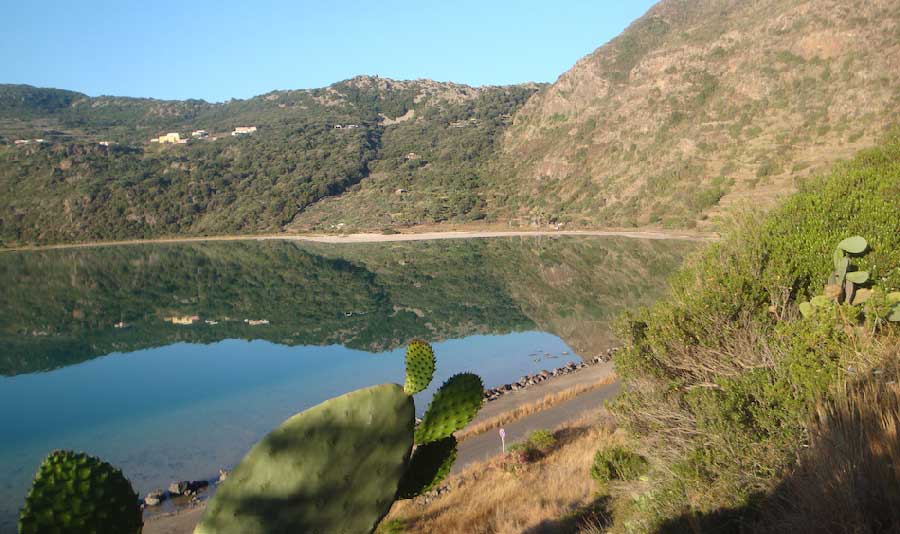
column 475, row 448
column 385, row 238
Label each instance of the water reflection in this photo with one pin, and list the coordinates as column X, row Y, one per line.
column 62, row 307
column 189, row 353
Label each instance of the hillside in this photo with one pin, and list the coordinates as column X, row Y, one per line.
column 738, row 413
column 698, row 107
column 427, row 138
column 754, row 416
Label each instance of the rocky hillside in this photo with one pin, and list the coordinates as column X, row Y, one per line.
column 96, row 175
column 701, row 106
column 696, row 109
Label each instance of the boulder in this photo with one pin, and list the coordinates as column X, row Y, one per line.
column 154, row 498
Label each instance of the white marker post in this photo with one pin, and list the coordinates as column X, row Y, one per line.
column 503, row 441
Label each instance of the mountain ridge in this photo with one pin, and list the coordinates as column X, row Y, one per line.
column 97, row 176
column 699, row 103
column 695, row 110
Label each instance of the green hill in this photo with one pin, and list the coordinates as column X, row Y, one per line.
column 430, row 139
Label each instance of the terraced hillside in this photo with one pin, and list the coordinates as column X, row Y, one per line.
column 701, row 106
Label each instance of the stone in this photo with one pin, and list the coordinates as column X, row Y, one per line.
column 187, row 487
column 154, row 498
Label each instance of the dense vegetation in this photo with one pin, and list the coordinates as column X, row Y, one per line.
column 725, row 377
column 71, row 188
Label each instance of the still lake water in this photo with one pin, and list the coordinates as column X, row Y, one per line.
column 91, row 360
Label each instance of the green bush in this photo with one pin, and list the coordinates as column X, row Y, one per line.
column 721, row 377
column 617, row 463
column 542, row 440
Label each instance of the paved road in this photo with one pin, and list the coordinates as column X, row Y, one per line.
column 486, row 445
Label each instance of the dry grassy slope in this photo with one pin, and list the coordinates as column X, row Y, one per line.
column 700, row 106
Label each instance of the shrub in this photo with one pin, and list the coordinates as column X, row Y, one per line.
column 850, row 474
column 617, row 463
column 723, row 376
column 541, row 440
column 517, row 456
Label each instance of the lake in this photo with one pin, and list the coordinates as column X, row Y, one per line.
column 170, row 361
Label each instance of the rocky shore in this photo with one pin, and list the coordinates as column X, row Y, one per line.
column 526, row 381
column 186, row 492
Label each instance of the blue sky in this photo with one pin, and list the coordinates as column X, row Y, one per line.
column 217, row 50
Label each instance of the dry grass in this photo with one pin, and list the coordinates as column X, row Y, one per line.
column 533, row 407
column 555, row 494
column 848, row 480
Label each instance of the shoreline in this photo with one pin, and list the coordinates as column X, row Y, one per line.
column 595, row 371
column 384, row 238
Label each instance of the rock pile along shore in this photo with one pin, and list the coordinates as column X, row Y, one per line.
column 495, row 393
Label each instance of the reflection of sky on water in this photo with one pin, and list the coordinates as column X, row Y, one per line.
column 183, row 411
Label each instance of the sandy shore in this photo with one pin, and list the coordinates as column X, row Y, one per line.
column 475, row 448
column 386, row 238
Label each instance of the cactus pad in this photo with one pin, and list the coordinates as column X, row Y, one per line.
column 419, row 366
column 841, row 270
column 858, row 277
column 854, row 245
column 429, row 465
column 73, row 492
column 453, row 406
column 806, row 309
column 838, row 256
column 334, row 468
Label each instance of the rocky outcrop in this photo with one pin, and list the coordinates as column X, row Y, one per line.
column 701, row 106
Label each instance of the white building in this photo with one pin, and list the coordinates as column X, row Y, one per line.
column 243, row 130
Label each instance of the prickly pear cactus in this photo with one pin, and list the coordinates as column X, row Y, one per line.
column 334, row 468
column 854, row 245
column 429, row 465
column 419, row 366
column 74, row 493
column 453, row 406
column 843, row 284
column 893, row 299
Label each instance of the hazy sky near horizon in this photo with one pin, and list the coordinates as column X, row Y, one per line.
column 216, row 50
